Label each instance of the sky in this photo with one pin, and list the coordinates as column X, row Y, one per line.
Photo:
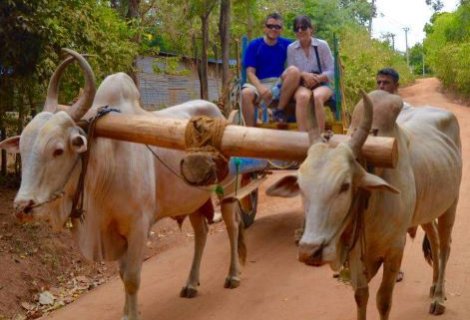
column 395, row 15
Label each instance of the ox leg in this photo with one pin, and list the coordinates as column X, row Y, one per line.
column 359, row 283
column 361, row 272
column 199, row 224
column 444, row 227
column 237, row 246
column 130, row 266
column 432, row 235
column 391, row 267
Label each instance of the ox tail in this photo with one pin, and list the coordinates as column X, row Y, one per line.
column 242, row 251
column 427, row 250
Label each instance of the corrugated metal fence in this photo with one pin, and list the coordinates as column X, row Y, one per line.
column 161, row 90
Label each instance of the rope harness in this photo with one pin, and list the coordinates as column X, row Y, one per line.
column 204, row 164
column 77, row 211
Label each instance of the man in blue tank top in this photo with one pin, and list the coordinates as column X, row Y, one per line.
column 265, row 60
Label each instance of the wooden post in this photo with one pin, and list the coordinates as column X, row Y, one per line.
column 237, row 140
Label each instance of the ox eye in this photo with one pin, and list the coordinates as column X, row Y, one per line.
column 58, row 152
column 344, row 187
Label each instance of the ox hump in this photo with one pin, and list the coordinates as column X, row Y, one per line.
column 386, row 108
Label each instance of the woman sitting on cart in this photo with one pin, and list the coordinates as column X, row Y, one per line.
column 313, row 58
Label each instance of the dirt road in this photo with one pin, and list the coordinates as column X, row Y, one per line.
column 277, row 287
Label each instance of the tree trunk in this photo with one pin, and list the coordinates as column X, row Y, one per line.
column 133, row 9
column 371, row 17
column 19, row 124
column 3, row 136
column 250, row 22
column 197, row 62
column 133, row 14
column 204, row 80
column 224, row 31
column 3, row 93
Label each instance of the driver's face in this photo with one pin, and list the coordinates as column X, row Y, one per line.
column 386, row 83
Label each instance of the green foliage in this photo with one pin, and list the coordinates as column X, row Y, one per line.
column 436, row 5
column 360, row 10
column 448, row 48
column 36, row 30
column 362, row 57
column 416, row 60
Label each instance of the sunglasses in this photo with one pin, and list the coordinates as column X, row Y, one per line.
column 300, row 28
column 273, row 26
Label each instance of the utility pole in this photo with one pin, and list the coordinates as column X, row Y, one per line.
column 372, row 5
column 406, row 29
column 392, row 35
column 423, row 61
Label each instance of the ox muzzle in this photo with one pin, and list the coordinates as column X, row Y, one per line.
column 24, row 209
column 311, row 254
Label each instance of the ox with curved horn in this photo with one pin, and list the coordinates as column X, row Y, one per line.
column 360, row 135
column 79, row 108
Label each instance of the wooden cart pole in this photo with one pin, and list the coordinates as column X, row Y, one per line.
column 237, row 140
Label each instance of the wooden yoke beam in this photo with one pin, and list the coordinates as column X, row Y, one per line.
column 237, row 140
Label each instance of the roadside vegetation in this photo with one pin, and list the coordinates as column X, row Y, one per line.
column 447, row 47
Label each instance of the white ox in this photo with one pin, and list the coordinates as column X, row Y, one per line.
column 126, row 188
column 363, row 217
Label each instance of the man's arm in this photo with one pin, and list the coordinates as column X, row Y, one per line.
column 264, row 92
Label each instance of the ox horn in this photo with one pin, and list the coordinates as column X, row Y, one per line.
column 53, row 89
column 313, row 130
column 79, row 108
column 360, row 135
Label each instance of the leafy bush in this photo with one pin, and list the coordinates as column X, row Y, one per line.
column 448, row 47
column 361, row 58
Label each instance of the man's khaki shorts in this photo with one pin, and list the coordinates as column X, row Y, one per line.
column 269, row 83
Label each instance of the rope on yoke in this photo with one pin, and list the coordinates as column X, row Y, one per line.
column 88, row 126
column 204, row 163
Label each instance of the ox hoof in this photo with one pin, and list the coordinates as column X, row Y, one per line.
column 188, row 292
column 437, row 308
column 232, row 283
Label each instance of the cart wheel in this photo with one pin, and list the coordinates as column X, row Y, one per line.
column 248, row 205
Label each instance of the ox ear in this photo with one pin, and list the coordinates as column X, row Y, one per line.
column 11, row 144
column 373, row 183
column 78, row 142
column 286, row 187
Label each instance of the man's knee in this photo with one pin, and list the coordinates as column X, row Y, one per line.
column 248, row 94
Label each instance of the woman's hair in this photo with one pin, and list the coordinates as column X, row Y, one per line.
column 302, row 21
